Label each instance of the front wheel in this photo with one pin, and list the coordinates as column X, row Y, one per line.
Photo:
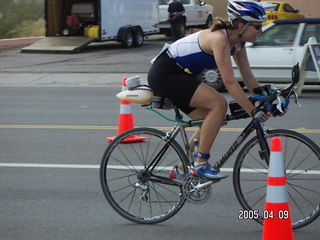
column 138, row 37
column 302, row 163
column 134, row 175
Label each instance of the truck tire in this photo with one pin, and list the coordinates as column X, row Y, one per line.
column 127, row 38
column 212, row 77
column 183, row 30
column 209, row 22
column 138, row 37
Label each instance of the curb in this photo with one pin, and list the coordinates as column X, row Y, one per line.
column 66, row 79
column 18, row 42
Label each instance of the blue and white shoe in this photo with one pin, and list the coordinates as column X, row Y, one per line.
column 205, row 170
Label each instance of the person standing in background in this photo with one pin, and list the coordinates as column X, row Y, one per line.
column 176, row 10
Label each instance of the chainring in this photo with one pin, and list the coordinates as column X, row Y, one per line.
column 194, row 195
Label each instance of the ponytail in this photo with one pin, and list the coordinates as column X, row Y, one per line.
column 220, row 23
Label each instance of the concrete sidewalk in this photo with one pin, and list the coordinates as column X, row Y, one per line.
column 65, row 79
column 56, row 79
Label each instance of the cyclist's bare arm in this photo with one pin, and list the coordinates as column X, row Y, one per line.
column 221, row 51
column 241, row 59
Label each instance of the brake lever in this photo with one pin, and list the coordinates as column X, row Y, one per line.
column 279, row 107
column 296, row 99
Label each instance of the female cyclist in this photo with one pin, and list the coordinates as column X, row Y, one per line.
column 174, row 71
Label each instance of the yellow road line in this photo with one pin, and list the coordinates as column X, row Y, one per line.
column 88, row 127
column 77, row 127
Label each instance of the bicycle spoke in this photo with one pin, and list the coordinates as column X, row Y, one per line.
column 121, row 177
column 122, row 163
column 285, row 153
column 164, row 187
column 296, row 204
column 262, row 198
column 300, row 162
column 294, row 186
column 157, row 195
column 137, row 155
column 120, row 189
column 299, row 172
column 259, row 161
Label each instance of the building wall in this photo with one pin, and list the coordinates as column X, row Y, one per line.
column 310, row 8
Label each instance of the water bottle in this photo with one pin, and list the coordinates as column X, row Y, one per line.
column 196, row 147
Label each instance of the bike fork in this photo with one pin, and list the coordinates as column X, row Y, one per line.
column 264, row 147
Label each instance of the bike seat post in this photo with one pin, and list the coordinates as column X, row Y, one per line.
column 178, row 114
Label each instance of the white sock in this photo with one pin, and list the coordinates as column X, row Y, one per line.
column 197, row 164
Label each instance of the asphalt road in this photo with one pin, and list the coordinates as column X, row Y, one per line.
column 53, row 137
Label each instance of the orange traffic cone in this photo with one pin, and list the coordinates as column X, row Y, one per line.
column 277, row 217
column 126, row 121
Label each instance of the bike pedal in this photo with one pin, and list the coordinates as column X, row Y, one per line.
column 193, row 172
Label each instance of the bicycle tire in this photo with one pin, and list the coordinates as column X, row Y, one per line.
column 123, row 164
column 302, row 163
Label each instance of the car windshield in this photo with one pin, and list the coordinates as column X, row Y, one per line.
column 270, row 6
column 164, row 2
column 288, row 8
column 311, row 30
column 278, row 35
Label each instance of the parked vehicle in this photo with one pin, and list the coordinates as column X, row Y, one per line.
column 279, row 47
column 71, row 25
column 197, row 14
column 279, row 11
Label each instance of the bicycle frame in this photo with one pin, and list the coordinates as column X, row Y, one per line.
column 180, row 128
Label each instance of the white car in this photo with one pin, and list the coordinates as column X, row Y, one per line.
column 279, row 47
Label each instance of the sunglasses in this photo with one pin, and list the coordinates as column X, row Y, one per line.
column 257, row 26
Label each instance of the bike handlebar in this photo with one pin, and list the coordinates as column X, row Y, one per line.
column 277, row 101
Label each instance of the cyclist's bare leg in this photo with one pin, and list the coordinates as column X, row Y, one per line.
column 217, row 103
column 212, row 107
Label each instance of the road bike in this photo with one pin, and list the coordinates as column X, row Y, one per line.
column 135, row 175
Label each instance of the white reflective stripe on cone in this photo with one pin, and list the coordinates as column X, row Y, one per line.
column 276, row 168
column 276, row 194
column 125, row 109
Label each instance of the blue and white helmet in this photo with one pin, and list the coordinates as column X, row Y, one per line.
column 249, row 11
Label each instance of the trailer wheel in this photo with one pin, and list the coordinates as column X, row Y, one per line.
column 138, row 37
column 127, row 39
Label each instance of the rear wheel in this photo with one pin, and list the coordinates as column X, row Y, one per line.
column 137, row 188
column 302, row 163
column 127, row 38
